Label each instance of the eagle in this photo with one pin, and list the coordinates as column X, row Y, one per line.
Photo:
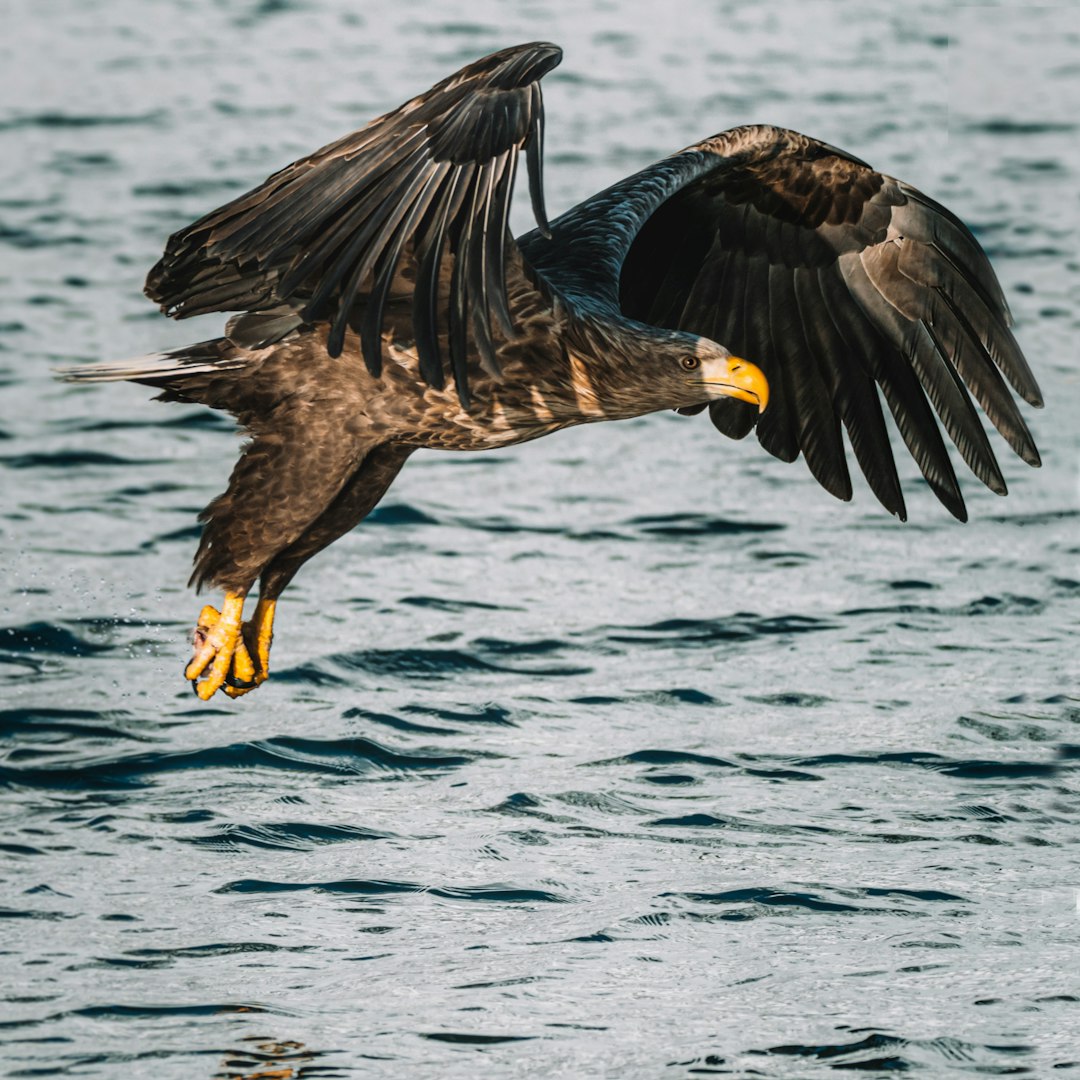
column 382, row 305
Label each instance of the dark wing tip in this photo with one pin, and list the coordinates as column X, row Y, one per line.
column 885, row 286
column 151, row 287
column 512, row 68
column 518, row 65
column 515, row 68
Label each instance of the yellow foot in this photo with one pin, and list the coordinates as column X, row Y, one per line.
column 219, row 648
column 241, row 674
column 257, row 634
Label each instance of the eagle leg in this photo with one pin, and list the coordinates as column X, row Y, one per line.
column 219, row 647
column 256, row 636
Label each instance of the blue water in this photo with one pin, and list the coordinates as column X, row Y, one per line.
column 629, row 753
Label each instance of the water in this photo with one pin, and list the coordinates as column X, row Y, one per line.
column 627, row 753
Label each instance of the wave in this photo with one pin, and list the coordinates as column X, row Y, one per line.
column 331, row 757
column 494, row 893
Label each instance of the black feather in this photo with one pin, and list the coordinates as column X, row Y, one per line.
column 853, row 392
column 773, row 216
column 534, row 160
column 325, row 235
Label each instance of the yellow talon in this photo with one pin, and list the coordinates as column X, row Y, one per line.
column 216, row 639
column 208, row 618
column 242, row 670
column 256, row 637
column 264, row 633
column 221, row 637
column 242, row 675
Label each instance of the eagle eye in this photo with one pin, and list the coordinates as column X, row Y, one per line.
column 691, row 363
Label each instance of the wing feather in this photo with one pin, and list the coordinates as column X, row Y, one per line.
column 817, row 426
column 733, row 418
column 426, row 292
column 534, row 161
column 910, row 338
column 902, row 391
column 840, row 282
column 777, row 430
column 326, row 236
column 852, row 390
column 384, row 270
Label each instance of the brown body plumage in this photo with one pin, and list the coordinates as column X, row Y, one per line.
column 386, row 308
column 328, row 437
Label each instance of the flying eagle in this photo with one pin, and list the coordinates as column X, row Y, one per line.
column 383, row 306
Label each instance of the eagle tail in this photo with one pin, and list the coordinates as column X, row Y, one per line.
column 168, row 370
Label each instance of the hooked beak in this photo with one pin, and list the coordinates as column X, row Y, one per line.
column 744, row 381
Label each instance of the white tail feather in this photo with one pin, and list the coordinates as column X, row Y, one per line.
column 193, row 360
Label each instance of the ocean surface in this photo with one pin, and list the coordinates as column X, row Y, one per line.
column 628, row 753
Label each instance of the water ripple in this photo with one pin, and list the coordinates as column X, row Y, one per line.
column 451, row 663
column 494, row 893
column 72, row 459
column 626, row 753
column 741, row 626
column 757, row 901
column 283, row 836
column 53, row 120
column 337, row 758
column 47, row 638
column 686, row 524
column 879, row 1051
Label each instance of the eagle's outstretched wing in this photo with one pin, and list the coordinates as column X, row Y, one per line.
column 323, row 239
column 832, row 277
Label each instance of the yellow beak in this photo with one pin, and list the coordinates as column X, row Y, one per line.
column 744, row 381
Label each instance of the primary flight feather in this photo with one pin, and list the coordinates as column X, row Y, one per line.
column 383, row 306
